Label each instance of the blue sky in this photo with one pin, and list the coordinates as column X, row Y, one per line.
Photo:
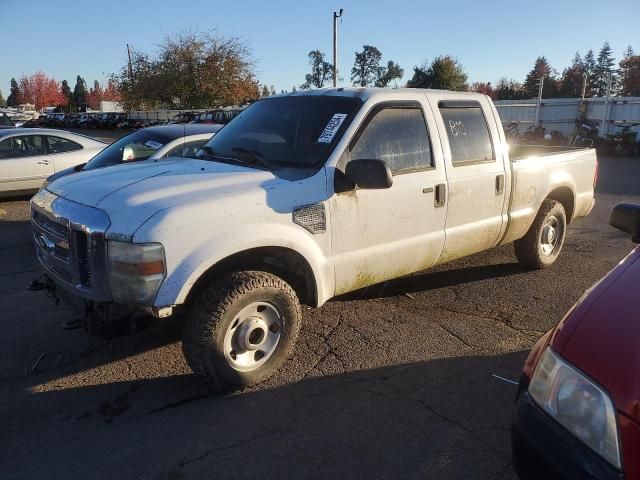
column 491, row 39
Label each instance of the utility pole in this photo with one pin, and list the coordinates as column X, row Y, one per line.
column 336, row 16
column 539, row 105
column 584, row 85
column 130, row 69
column 605, row 110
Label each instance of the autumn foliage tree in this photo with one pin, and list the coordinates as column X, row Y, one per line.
column 40, row 90
column 190, row 70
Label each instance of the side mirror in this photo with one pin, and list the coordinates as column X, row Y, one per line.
column 369, row 174
column 626, row 217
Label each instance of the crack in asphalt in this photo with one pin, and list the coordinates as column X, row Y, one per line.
column 232, row 446
column 437, row 414
column 454, row 335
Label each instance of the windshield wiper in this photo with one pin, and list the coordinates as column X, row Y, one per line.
column 254, row 156
column 255, row 160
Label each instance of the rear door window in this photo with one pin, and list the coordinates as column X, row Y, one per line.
column 62, row 145
column 468, row 134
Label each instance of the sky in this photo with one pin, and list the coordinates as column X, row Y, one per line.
column 491, row 39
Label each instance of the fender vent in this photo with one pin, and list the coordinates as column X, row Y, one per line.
column 311, row 217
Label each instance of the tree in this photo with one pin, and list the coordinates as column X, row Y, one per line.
column 265, row 91
column 630, row 73
column 572, row 78
column 189, row 70
column 509, row 90
column 15, row 98
column 445, row 72
column 95, row 96
column 79, row 97
column 484, row 88
column 111, row 93
column 2, row 101
column 66, row 92
column 603, row 68
column 40, row 90
column 541, row 69
column 389, row 73
column 321, row 71
column 589, row 67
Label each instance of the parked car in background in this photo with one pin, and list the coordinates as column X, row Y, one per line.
column 5, row 121
column 303, row 197
column 577, row 412
column 29, row 155
column 151, row 143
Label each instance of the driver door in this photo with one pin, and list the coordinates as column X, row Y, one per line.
column 378, row 235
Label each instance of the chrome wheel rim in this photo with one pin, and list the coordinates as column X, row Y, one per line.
column 253, row 336
column 551, row 235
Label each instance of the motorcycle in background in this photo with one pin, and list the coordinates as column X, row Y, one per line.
column 623, row 141
column 586, row 133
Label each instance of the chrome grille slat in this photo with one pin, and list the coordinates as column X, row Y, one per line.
column 70, row 244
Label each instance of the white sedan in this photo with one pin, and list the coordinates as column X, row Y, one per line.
column 151, row 143
column 29, row 155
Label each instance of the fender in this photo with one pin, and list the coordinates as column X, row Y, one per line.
column 183, row 272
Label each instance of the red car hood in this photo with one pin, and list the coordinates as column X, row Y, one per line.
column 601, row 336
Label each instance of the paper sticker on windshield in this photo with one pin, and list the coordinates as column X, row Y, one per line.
column 332, row 127
column 152, row 144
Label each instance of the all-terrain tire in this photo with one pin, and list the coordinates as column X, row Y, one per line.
column 530, row 249
column 213, row 311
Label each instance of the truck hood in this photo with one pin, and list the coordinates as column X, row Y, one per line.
column 602, row 336
column 130, row 194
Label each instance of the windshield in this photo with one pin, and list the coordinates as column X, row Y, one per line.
column 136, row 146
column 5, row 121
column 296, row 131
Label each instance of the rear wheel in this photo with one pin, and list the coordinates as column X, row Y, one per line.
column 542, row 244
column 242, row 328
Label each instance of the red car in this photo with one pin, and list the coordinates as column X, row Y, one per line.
column 577, row 412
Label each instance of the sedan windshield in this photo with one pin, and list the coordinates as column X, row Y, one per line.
column 136, row 146
column 5, row 121
column 295, row 131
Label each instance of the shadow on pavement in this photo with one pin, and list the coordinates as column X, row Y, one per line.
column 443, row 419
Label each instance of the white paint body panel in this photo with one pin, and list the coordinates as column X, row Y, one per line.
column 29, row 173
column 203, row 212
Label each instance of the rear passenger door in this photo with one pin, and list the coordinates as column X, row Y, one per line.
column 382, row 234
column 64, row 153
column 24, row 164
column 475, row 174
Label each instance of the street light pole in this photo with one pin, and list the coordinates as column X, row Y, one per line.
column 336, row 16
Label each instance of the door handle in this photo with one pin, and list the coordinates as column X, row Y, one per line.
column 500, row 184
column 439, row 197
column 43, row 162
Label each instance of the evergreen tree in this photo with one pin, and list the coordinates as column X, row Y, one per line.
column 604, row 67
column 2, row 102
column 589, row 67
column 541, row 69
column 80, row 94
column 265, row 91
column 15, row 98
column 630, row 74
column 66, row 92
column 572, row 78
column 321, row 71
column 509, row 90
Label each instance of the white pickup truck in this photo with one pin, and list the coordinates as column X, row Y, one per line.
column 302, row 197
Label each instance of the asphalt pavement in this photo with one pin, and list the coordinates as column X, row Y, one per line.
column 393, row 381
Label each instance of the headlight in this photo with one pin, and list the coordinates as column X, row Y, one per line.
column 577, row 403
column 137, row 270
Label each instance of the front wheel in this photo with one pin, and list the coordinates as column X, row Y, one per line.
column 242, row 328
column 542, row 244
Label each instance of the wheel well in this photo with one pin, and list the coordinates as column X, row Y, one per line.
column 288, row 264
column 564, row 195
